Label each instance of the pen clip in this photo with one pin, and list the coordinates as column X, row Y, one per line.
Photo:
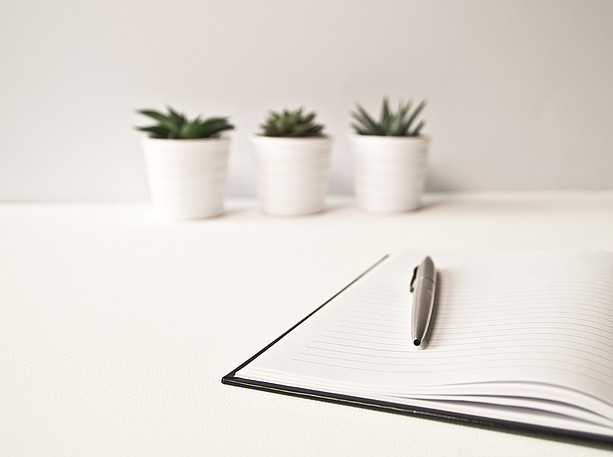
column 411, row 288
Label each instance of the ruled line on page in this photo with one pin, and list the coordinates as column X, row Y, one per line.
column 544, row 348
column 453, row 365
column 460, row 367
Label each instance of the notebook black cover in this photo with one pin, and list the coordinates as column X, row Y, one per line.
column 569, row 436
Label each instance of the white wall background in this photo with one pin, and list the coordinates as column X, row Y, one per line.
column 520, row 92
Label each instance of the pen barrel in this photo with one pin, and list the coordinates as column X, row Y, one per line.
column 423, row 304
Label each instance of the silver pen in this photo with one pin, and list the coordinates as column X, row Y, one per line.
column 423, row 287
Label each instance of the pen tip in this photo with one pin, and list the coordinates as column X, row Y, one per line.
column 416, row 341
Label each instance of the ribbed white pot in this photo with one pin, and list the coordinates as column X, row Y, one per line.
column 292, row 174
column 187, row 178
column 389, row 173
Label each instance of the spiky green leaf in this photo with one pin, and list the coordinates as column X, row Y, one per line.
column 417, row 129
column 386, row 117
column 155, row 131
column 174, row 125
column 390, row 123
column 416, row 112
column 291, row 123
column 364, row 118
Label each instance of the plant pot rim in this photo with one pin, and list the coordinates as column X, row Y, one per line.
column 390, row 138
column 314, row 139
column 219, row 139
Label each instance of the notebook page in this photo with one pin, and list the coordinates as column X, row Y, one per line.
column 543, row 318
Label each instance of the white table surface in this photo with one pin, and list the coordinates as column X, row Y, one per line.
column 116, row 327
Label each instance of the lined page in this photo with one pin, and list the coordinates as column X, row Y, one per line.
column 544, row 318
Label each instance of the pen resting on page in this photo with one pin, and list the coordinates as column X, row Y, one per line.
column 423, row 287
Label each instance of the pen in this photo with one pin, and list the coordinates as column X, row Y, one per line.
column 423, row 287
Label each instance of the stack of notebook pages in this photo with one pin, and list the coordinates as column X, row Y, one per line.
column 518, row 340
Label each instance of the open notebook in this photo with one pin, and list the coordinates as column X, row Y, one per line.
column 517, row 340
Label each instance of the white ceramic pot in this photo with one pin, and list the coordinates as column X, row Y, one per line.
column 187, row 178
column 389, row 173
column 292, row 174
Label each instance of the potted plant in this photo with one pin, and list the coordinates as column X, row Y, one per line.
column 292, row 162
column 389, row 158
column 186, row 162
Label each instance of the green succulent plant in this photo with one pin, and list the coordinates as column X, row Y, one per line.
column 176, row 126
column 390, row 123
column 294, row 124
